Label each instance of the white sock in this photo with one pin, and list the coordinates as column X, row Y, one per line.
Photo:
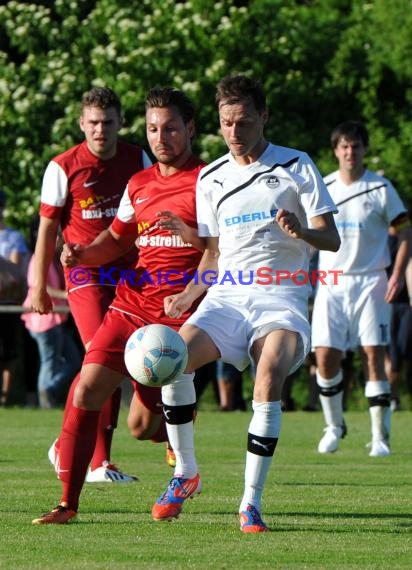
column 380, row 415
column 181, row 436
column 266, row 422
column 377, row 388
column 332, row 405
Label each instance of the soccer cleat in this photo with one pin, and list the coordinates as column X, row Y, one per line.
column 251, row 521
column 53, row 455
column 169, row 505
column 379, row 448
column 330, row 441
column 108, row 473
column 59, row 515
column 170, row 455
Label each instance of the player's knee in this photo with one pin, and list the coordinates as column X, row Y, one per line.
column 137, row 428
column 87, row 398
column 139, row 433
column 143, row 430
column 328, row 366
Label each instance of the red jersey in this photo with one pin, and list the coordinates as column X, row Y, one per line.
column 84, row 192
column 165, row 263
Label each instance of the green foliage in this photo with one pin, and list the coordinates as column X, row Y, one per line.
column 321, row 61
column 372, row 68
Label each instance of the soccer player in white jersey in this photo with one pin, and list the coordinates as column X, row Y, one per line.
column 354, row 311
column 259, row 208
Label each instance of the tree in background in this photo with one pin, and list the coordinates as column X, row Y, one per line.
column 372, row 66
column 321, row 62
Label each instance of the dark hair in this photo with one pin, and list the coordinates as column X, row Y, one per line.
column 350, row 130
column 103, row 98
column 171, row 97
column 234, row 89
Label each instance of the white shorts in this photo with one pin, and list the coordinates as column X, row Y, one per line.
column 352, row 312
column 234, row 320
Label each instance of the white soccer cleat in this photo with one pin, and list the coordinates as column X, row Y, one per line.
column 53, row 456
column 379, row 448
column 330, row 441
column 108, row 473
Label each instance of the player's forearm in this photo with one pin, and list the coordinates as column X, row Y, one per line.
column 322, row 234
column 107, row 247
column 190, row 235
column 196, row 241
column 208, row 264
column 325, row 239
column 44, row 253
column 403, row 253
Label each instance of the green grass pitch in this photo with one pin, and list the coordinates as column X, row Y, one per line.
column 345, row 510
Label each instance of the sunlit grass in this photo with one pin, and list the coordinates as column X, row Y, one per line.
column 345, row 510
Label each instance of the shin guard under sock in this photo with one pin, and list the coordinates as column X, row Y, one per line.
column 77, row 441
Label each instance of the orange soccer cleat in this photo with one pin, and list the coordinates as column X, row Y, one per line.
column 60, row 515
column 170, row 504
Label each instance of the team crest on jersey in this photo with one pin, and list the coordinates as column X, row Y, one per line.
column 271, row 181
column 367, row 205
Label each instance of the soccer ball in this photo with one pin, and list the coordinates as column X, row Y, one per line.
column 155, row 355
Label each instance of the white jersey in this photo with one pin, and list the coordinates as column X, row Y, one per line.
column 238, row 204
column 366, row 209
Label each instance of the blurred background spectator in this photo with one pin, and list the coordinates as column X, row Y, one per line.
column 60, row 356
column 14, row 256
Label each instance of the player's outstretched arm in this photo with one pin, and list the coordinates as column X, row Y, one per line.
column 43, row 256
column 403, row 255
column 107, row 247
column 322, row 235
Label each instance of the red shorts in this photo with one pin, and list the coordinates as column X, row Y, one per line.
column 107, row 349
column 88, row 306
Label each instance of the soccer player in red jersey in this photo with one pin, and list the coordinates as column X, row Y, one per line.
column 158, row 212
column 81, row 192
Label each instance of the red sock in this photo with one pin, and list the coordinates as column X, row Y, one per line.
column 68, row 405
column 77, row 441
column 109, row 415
